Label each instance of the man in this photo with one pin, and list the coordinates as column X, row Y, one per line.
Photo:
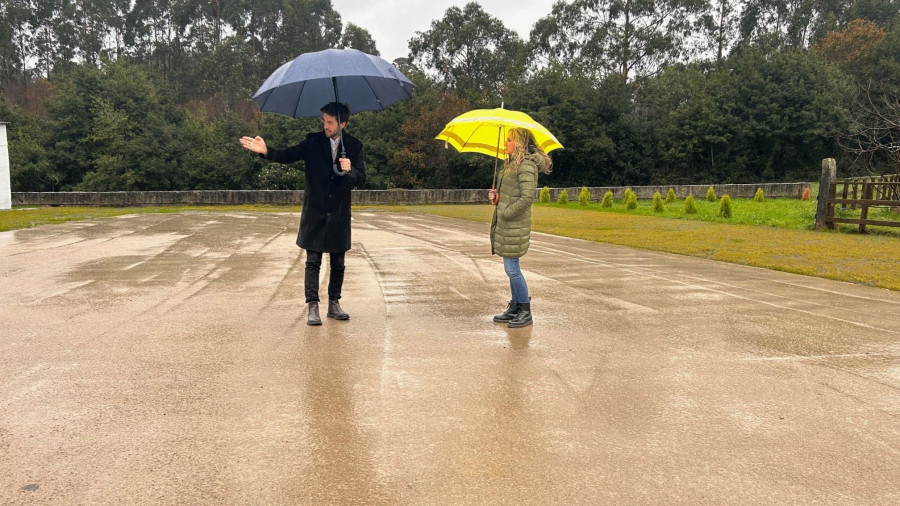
column 325, row 218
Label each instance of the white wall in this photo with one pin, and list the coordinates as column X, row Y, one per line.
column 5, row 191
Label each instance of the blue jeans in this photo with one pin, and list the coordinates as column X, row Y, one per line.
column 517, row 285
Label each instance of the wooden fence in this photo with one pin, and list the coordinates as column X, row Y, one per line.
column 862, row 193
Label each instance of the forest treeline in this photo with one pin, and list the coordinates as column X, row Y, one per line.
column 114, row 95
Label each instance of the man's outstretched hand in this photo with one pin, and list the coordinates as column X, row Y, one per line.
column 257, row 145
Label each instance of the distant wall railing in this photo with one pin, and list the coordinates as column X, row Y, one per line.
column 364, row 197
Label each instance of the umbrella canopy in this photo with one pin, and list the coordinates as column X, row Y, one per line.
column 484, row 131
column 302, row 86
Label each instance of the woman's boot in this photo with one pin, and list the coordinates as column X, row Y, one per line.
column 523, row 318
column 511, row 311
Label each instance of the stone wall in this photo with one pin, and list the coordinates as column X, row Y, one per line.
column 364, row 197
column 770, row 190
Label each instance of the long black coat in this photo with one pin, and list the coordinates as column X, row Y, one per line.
column 325, row 219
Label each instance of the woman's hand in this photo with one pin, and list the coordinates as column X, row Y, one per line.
column 257, row 145
column 493, row 196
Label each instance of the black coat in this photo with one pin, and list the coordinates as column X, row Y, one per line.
column 325, row 219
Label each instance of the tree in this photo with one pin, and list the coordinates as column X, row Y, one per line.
column 589, row 119
column 471, row 52
column 719, row 23
column 851, row 47
column 112, row 129
column 872, row 139
column 422, row 161
column 631, row 38
column 30, row 168
column 687, row 110
column 357, row 37
column 785, row 110
column 15, row 40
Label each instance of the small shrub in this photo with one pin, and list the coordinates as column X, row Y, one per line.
column 607, row 199
column 710, row 195
column 806, row 193
column 631, row 201
column 563, row 197
column 658, row 206
column 670, row 197
column 759, row 197
column 584, row 198
column 545, row 195
column 690, row 206
column 627, row 196
column 725, row 206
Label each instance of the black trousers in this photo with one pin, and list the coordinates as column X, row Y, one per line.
column 335, row 279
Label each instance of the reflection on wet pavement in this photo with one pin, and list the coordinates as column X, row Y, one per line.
column 165, row 359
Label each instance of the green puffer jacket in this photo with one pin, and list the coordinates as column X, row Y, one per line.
column 511, row 224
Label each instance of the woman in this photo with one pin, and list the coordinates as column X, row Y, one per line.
column 511, row 224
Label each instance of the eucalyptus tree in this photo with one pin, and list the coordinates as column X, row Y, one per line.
column 718, row 25
column 357, row 37
column 15, row 42
column 53, row 33
column 471, row 52
column 303, row 26
column 632, row 38
column 778, row 23
column 154, row 37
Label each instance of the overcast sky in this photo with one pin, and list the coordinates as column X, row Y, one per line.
column 393, row 22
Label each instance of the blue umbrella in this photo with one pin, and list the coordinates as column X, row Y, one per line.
column 302, row 86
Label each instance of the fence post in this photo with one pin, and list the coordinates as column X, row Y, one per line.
column 829, row 172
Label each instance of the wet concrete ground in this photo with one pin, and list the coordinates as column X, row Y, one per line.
column 165, row 359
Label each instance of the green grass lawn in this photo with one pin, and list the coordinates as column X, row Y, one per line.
column 774, row 234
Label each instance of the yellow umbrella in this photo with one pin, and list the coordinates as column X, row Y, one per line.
column 484, row 131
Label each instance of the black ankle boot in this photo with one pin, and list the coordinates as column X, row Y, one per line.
column 335, row 311
column 313, row 318
column 511, row 311
column 523, row 318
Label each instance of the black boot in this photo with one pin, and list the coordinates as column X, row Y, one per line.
column 523, row 318
column 335, row 311
column 313, row 318
column 511, row 311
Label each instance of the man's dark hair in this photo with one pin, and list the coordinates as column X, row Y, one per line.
column 336, row 108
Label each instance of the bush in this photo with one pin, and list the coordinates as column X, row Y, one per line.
column 670, row 197
column 710, row 195
column 690, row 207
column 584, row 198
column 631, row 201
column 563, row 197
column 725, row 206
column 607, row 199
column 628, row 194
column 759, row 197
column 806, row 194
column 658, row 206
column 545, row 195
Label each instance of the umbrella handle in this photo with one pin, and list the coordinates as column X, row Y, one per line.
column 337, row 99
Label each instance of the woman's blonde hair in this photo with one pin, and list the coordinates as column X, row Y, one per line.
column 525, row 145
